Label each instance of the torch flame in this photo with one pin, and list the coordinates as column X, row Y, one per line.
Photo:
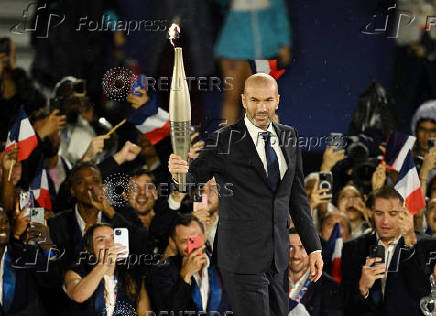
column 174, row 32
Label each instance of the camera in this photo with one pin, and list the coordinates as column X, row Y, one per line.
column 117, row 232
column 5, row 47
column 197, row 197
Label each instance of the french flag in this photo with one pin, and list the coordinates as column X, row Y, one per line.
column 22, row 135
column 151, row 120
column 399, row 157
column 335, row 244
column 39, row 186
column 269, row 67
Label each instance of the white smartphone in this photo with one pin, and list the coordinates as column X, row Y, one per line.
column 37, row 215
column 121, row 236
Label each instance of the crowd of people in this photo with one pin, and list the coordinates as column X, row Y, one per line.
column 100, row 181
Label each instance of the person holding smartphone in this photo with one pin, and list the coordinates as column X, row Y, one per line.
column 187, row 280
column 99, row 285
column 382, row 273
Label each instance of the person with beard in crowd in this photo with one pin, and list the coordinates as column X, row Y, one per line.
column 350, row 201
column 392, row 282
column 187, row 280
column 323, row 298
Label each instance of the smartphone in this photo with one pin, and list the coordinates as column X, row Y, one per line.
column 337, row 141
column 431, row 142
column 37, row 215
column 194, row 243
column 121, row 236
column 5, row 47
column 326, row 182
column 79, row 87
column 139, row 82
column 25, row 198
column 377, row 251
column 200, row 201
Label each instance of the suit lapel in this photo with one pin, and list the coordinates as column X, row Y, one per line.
column 283, row 141
column 246, row 146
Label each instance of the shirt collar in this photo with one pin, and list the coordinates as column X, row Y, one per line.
column 395, row 242
column 254, row 131
column 80, row 220
column 301, row 280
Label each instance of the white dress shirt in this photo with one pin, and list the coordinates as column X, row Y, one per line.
column 2, row 269
column 81, row 222
column 203, row 283
column 389, row 252
column 109, row 294
column 296, row 287
column 259, row 142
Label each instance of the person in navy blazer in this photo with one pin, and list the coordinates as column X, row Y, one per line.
column 264, row 175
column 396, row 286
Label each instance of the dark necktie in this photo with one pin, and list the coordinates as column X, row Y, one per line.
column 272, row 162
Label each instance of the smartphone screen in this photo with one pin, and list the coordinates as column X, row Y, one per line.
column 121, row 236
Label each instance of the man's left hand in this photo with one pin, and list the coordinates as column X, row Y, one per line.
column 316, row 264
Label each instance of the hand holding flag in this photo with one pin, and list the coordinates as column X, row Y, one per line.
column 398, row 156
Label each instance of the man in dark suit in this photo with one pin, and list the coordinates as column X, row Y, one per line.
column 188, row 281
column 394, row 282
column 261, row 163
column 323, row 298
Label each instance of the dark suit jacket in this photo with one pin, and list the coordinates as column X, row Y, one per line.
column 252, row 232
column 26, row 295
column 406, row 283
column 169, row 292
column 324, row 297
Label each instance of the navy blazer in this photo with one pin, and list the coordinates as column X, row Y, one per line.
column 407, row 279
column 169, row 292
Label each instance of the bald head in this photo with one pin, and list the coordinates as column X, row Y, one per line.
column 260, row 99
column 260, row 80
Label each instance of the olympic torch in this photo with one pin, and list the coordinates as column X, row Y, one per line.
column 179, row 107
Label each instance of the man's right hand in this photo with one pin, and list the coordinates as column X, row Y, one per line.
column 370, row 274
column 177, row 165
column 192, row 264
